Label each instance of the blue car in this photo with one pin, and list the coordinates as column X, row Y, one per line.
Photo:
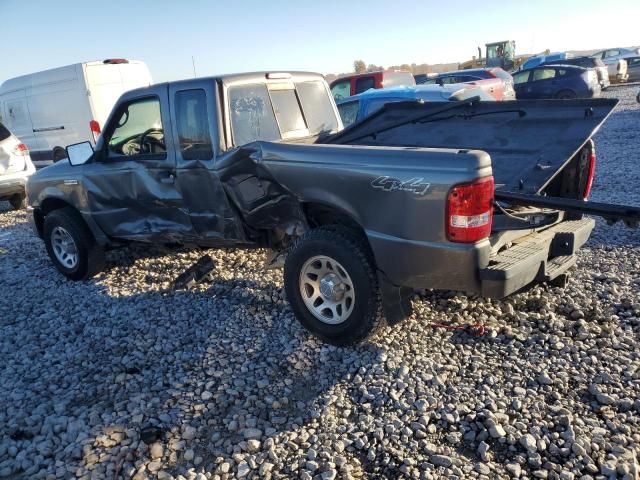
column 540, row 59
column 355, row 108
column 557, row 81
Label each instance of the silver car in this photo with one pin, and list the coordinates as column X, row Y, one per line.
column 615, row 59
column 15, row 168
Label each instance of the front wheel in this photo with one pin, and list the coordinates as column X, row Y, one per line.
column 71, row 246
column 566, row 95
column 331, row 283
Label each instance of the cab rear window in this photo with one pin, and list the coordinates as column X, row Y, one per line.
column 260, row 113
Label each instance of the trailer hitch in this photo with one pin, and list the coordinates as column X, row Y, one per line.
column 612, row 213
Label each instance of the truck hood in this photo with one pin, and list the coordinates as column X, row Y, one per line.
column 529, row 141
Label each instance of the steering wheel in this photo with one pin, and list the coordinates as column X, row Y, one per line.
column 143, row 139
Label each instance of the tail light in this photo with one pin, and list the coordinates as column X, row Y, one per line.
column 21, row 150
column 591, row 171
column 94, row 126
column 470, row 211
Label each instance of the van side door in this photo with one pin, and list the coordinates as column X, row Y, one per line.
column 194, row 123
column 130, row 183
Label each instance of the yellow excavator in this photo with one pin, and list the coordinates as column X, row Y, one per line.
column 498, row 54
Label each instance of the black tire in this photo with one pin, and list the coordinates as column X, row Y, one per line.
column 354, row 255
column 18, row 202
column 566, row 95
column 91, row 258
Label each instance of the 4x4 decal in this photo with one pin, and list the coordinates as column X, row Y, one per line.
column 415, row 185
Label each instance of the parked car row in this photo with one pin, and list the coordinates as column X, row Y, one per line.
column 494, row 81
column 353, row 109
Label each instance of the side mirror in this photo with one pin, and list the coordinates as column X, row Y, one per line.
column 79, row 153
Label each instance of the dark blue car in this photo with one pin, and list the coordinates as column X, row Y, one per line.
column 556, row 81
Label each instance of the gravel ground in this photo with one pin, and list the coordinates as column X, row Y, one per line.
column 115, row 378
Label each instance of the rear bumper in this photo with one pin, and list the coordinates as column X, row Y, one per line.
column 12, row 186
column 538, row 257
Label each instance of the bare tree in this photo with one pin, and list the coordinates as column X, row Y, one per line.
column 359, row 66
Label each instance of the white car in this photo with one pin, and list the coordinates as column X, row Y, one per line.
column 54, row 108
column 615, row 59
column 15, row 168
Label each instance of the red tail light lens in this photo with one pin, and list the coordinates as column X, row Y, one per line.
column 94, row 126
column 21, row 150
column 590, row 174
column 470, row 211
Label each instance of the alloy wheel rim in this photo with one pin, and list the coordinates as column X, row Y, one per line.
column 64, row 247
column 327, row 289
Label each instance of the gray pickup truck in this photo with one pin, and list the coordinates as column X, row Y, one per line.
column 439, row 196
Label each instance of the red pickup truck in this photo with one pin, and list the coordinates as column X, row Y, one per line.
column 353, row 84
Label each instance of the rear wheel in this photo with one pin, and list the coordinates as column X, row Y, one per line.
column 332, row 286
column 566, row 94
column 71, row 246
column 18, row 201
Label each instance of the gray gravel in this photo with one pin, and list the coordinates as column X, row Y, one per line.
column 114, row 378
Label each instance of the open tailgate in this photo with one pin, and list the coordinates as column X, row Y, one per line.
column 529, row 141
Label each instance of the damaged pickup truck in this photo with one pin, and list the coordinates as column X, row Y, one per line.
column 470, row 196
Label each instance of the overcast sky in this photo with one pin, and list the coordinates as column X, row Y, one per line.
column 322, row 35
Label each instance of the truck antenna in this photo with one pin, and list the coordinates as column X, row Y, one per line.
column 193, row 62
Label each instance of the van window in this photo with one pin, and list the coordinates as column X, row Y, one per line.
column 317, row 107
column 193, row 125
column 364, row 84
column 138, row 129
column 341, row 89
column 287, row 110
column 252, row 116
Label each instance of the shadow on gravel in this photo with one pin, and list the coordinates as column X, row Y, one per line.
column 229, row 361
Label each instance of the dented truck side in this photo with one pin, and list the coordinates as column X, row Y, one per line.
column 362, row 215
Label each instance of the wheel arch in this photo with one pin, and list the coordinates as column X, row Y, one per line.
column 49, row 204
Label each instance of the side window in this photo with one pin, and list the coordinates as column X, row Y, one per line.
column 611, row 53
column 192, row 123
column 251, row 115
column 521, row 77
column 349, row 112
column 341, row 89
column 364, row 84
column 317, row 107
column 447, row 80
column 543, row 74
column 138, row 129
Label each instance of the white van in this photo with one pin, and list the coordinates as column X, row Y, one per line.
column 54, row 108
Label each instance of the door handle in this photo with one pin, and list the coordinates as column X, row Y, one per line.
column 168, row 180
